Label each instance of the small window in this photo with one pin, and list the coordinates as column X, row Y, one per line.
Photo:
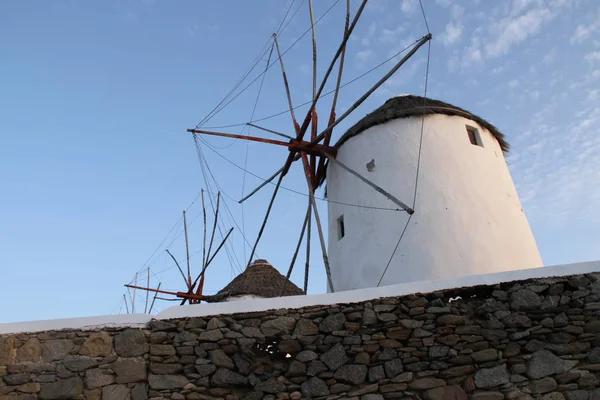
column 341, row 227
column 474, row 137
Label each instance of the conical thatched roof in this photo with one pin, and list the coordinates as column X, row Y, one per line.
column 260, row 279
column 407, row 106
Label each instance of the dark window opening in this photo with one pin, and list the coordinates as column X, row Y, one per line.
column 474, row 137
column 341, row 227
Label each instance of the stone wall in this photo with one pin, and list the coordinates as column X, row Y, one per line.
column 519, row 340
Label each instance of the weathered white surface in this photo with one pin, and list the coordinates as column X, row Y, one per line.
column 353, row 296
column 468, row 218
column 243, row 297
column 84, row 323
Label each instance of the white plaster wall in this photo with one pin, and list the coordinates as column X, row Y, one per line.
column 468, row 218
column 243, row 297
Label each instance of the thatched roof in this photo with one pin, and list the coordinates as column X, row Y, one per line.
column 408, row 106
column 261, row 279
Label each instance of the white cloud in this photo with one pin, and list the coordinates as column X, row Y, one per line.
column 364, row 55
column 513, row 83
column 408, row 6
column 550, row 57
column 452, row 33
column 514, row 30
column 392, row 35
column 583, row 31
column 593, row 56
column 593, row 95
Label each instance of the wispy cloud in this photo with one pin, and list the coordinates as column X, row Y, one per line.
column 452, row 33
column 585, row 31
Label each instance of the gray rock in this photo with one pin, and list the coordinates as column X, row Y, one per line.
column 524, row 299
column 553, row 396
column 97, row 378
column 115, row 392
column 184, row 337
column 278, row 326
column 315, row 368
column 131, row 343
column 129, row 370
column 271, row 385
column 305, row 327
column 215, row 323
column 369, row 317
column 486, row 355
column 543, row 363
column 592, row 327
column 205, row 369
column 160, row 325
column 211, row 336
column 29, row 352
column 451, row 319
column 220, row 359
column 438, row 351
column 58, row 349
column 17, row 379
column 335, row 357
column 295, row 369
column 166, row 382
column 162, row 350
column 333, row 322
column 372, row 396
column 79, row 363
column 517, row 320
column 252, row 332
column 543, row 385
column 490, row 396
column 376, row 373
column 411, row 323
column 393, row 368
column 427, row 383
column 488, row 378
column 98, row 344
column 314, row 387
column 165, row 369
column 139, row 392
column 352, row 374
column 594, row 356
column 226, row 378
column 446, row 393
column 306, row 356
column 63, row 389
column 577, row 395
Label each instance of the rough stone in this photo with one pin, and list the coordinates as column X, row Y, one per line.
column 139, row 392
column 79, row 363
column 543, row 385
column 162, row 350
column 369, row 317
column 226, row 378
column 270, row 386
column 220, row 359
column 335, row 357
column 98, row 344
column 351, row 374
column 131, row 343
column 524, row 299
column 7, row 350
column 393, row 368
column 426, row 383
column 451, row 319
column 30, row 352
column 484, row 355
column 488, row 378
column 57, row 349
column 332, row 323
column 488, row 396
column 314, row 387
column 594, row 356
column 166, row 382
column 17, row 379
column 376, row 373
column 315, row 368
column 305, row 327
column 543, row 363
column 306, row 356
column 63, row 389
column 205, row 369
column 115, row 392
column 278, row 326
column 446, row 393
column 97, row 378
column 129, row 370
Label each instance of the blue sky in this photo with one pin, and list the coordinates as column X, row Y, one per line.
column 95, row 98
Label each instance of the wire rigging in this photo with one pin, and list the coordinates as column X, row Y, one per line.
column 323, row 95
column 201, row 124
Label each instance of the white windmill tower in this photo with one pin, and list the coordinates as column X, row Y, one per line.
column 445, row 170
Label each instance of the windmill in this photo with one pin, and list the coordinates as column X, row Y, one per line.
column 313, row 150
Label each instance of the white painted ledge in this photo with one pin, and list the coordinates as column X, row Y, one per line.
column 352, row 296
column 84, row 323
column 355, row 296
